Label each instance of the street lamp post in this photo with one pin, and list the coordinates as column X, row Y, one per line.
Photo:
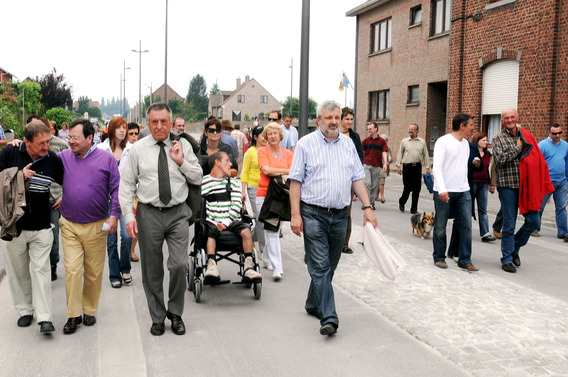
column 124, row 85
column 166, row 62
column 140, row 52
column 291, row 83
column 304, row 68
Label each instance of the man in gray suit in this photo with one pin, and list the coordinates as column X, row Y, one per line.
column 159, row 181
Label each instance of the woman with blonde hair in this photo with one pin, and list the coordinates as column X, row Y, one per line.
column 119, row 266
column 273, row 161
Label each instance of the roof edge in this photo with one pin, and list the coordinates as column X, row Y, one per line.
column 365, row 7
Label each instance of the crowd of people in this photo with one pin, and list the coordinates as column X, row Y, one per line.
column 85, row 183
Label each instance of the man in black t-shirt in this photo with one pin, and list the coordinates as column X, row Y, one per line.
column 27, row 255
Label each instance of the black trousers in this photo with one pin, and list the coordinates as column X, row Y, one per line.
column 412, row 181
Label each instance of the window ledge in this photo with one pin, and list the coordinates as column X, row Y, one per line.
column 415, row 25
column 499, row 4
column 441, row 35
column 384, row 121
column 413, row 104
column 380, row 52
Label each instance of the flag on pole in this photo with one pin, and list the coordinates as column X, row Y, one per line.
column 344, row 82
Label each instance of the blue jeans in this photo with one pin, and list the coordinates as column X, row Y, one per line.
column 512, row 242
column 116, row 265
column 324, row 233
column 460, row 202
column 54, row 216
column 480, row 192
column 559, row 195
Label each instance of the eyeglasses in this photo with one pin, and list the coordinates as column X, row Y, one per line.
column 214, row 130
column 273, row 119
column 133, row 133
column 73, row 138
column 556, row 133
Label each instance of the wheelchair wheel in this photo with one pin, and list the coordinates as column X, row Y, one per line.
column 190, row 274
column 197, row 287
column 257, row 289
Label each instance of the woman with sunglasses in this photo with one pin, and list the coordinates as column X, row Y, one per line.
column 273, row 161
column 211, row 143
column 249, row 181
column 119, row 146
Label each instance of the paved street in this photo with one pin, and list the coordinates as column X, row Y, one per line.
column 428, row 322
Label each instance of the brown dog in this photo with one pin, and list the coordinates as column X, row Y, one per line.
column 422, row 223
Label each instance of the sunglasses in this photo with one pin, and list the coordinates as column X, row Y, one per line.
column 273, row 119
column 133, row 133
column 556, row 133
column 214, row 130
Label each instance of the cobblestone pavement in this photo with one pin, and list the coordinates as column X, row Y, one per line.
column 486, row 325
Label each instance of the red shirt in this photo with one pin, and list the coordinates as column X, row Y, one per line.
column 373, row 151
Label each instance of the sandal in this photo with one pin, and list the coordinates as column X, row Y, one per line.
column 116, row 284
column 127, row 280
column 134, row 258
column 382, row 200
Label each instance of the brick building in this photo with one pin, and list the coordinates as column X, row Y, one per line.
column 249, row 98
column 510, row 53
column 402, row 67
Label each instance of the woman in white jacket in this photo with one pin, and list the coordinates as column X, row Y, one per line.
column 119, row 266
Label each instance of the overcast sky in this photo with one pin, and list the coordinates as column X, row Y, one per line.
column 219, row 39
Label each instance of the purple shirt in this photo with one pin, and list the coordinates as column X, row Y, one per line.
column 88, row 183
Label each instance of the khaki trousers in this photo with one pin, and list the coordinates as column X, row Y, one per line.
column 84, row 250
column 29, row 273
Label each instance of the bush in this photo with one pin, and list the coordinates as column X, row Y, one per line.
column 9, row 120
column 59, row 115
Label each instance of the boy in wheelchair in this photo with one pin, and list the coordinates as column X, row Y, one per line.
column 223, row 212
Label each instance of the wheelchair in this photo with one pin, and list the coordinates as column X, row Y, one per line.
column 229, row 247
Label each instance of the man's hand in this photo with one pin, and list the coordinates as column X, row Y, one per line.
column 399, row 170
column 112, row 221
column 476, row 162
column 445, row 197
column 132, row 229
column 28, row 172
column 57, row 204
column 492, row 189
column 16, row 142
column 370, row 216
column 221, row 227
column 176, row 153
column 297, row 225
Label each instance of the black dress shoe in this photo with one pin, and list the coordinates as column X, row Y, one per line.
column 71, row 325
column 509, row 267
column 328, row 329
column 46, row 327
column 89, row 320
column 347, row 250
column 25, row 320
column 177, row 323
column 516, row 260
column 157, row 329
column 401, row 207
column 53, row 272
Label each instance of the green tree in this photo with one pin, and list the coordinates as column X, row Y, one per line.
column 215, row 90
column 18, row 101
column 59, row 115
column 10, row 121
column 54, row 91
column 94, row 112
column 197, row 94
column 312, row 107
column 177, row 107
column 83, row 104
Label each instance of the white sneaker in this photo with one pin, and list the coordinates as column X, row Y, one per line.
column 267, row 266
column 277, row 277
column 212, row 273
column 250, row 272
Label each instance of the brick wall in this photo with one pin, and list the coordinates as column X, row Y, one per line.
column 524, row 30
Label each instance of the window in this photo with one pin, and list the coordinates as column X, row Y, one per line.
column 381, row 35
column 416, row 15
column 441, row 13
column 236, row 115
column 263, row 99
column 413, row 94
column 379, row 105
column 241, row 98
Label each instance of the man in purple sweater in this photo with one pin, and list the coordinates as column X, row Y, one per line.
column 91, row 177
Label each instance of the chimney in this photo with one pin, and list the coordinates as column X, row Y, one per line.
column 238, row 82
column 247, row 77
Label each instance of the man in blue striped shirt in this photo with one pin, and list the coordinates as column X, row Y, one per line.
column 325, row 169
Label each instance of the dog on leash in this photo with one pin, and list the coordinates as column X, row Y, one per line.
column 423, row 223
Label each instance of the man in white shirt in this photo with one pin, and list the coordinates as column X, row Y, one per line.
column 451, row 191
column 287, row 121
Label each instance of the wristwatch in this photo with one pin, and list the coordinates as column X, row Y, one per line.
column 365, row 207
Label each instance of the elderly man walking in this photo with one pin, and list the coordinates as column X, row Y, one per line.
column 91, row 178
column 157, row 173
column 326, row 167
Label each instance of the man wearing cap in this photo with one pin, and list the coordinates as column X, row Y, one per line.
column 226, row 136
column 27, row 254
